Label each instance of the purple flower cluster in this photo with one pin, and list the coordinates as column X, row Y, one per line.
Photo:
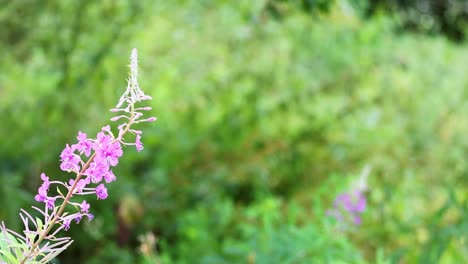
column 92, row 159
column 107, row 150
column 348, row 207
column 42, row 192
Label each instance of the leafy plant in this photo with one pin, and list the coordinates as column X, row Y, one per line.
column 41, row 244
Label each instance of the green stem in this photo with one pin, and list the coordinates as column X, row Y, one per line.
column 60, row 211
column 34, row 247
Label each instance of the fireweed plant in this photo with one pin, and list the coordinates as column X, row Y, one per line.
column 90, row 160
column 349, row 205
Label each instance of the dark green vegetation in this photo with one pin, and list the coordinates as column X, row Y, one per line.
column 263, row 118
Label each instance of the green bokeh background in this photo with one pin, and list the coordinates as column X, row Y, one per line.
column 266, row 111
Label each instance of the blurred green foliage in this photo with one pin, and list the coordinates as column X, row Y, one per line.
column 447, row 17
column 262, row 121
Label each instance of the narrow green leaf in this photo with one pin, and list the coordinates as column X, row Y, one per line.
column 31, row 236
column 39, row 225
column 7, row 256
column 58, row 190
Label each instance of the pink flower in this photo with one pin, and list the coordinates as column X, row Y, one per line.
column 106, row 149
column 42, row 191
column 97, row 170
column 106, row 129
column 101, row 192
column 138, row 144
column 50, row 201
column 109, row 177
column 66, row 225
column 84, row 144
column 84, row 207
column 79, row 186
column 347, row 207
column 45, row 179
column 70, row 161
column 42, row 194
column 101, row 140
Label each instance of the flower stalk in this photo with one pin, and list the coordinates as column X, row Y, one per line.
column 103, row 152
column 60, row 211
